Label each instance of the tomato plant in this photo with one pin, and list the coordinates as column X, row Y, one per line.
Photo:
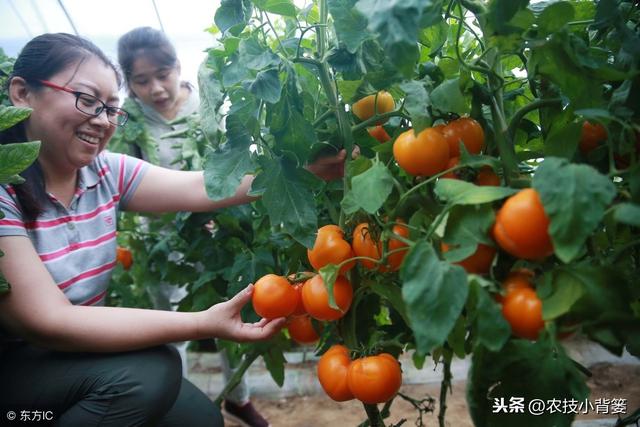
column 505, row 87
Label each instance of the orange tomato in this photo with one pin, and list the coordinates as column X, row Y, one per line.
column 394, row 260
column 332, row 373
column 592, row 135
column 468, row 131
column 368, row 106
column 315, row 298
column 330, row 248
column 453, row 161
column 424, row 154
column 374, row 379
column 522, row 226
column 516, row 279
column 274, row 297
column 523, row 310
column 124, row 257
column 479, row 262
column 487, row 177
column 364, row 245
column 379, row 133
column 301, row 329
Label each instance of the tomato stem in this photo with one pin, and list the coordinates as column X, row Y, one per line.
column 235, row 379
column 375, row 420
column 445, row 386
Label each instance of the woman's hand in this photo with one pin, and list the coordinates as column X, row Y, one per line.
column 223, row 321
column 331, row 167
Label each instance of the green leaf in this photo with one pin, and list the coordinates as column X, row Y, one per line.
column 434, row 37
column 627, row 213
column 491, row 329
column 457, row 192
column 435, row 293
column 274, row 361
column 448, row 97
column 255, row 56
column 288, row 198
column 4, row 285
column 292, row 131
column 211, row 99
column 10, row 116
column 566, row 290
column 14, row 158
column 562, row 139
column 224, row 170
column 467, row 225
column 350, row 25
column 370, row 189
column 554, row 17
column 278, row 7
column 396, row 24
column 393, row 294
column 416, row 103
column 575, row 198
column 522, row 369
column 266, row 86
column 233, row 15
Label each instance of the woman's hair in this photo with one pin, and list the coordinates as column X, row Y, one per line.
column 40, row 59
column 147, row 42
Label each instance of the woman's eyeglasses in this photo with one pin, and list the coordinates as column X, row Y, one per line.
column 93, row 106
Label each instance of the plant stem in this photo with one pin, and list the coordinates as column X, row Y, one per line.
column 519, row 115
column 376, row 118
column 444, row 388
column 374, row 415
column 237, row 375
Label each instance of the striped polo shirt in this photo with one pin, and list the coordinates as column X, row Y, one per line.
column 78, row 244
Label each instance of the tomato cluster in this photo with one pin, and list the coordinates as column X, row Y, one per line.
column 372, row 379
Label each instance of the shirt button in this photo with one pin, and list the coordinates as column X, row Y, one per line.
column 71, row 226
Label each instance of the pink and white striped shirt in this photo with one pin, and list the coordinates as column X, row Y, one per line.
column 78, row 244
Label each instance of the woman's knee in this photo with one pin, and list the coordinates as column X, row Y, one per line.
column 148, row 378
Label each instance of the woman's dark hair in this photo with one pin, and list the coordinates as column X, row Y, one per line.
column 41, row 58
column 148, row 42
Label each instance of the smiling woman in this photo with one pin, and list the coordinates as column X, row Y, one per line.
column 111, row 365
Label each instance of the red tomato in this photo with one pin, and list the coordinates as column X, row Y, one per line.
column 332, row 373
column 379, row 133
column 124, row 257
column 274, row 297
column 592, row 136
column 374, row 379
column 316, row 298
column 487, row 177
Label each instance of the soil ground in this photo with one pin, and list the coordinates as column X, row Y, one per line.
column 608, row 381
